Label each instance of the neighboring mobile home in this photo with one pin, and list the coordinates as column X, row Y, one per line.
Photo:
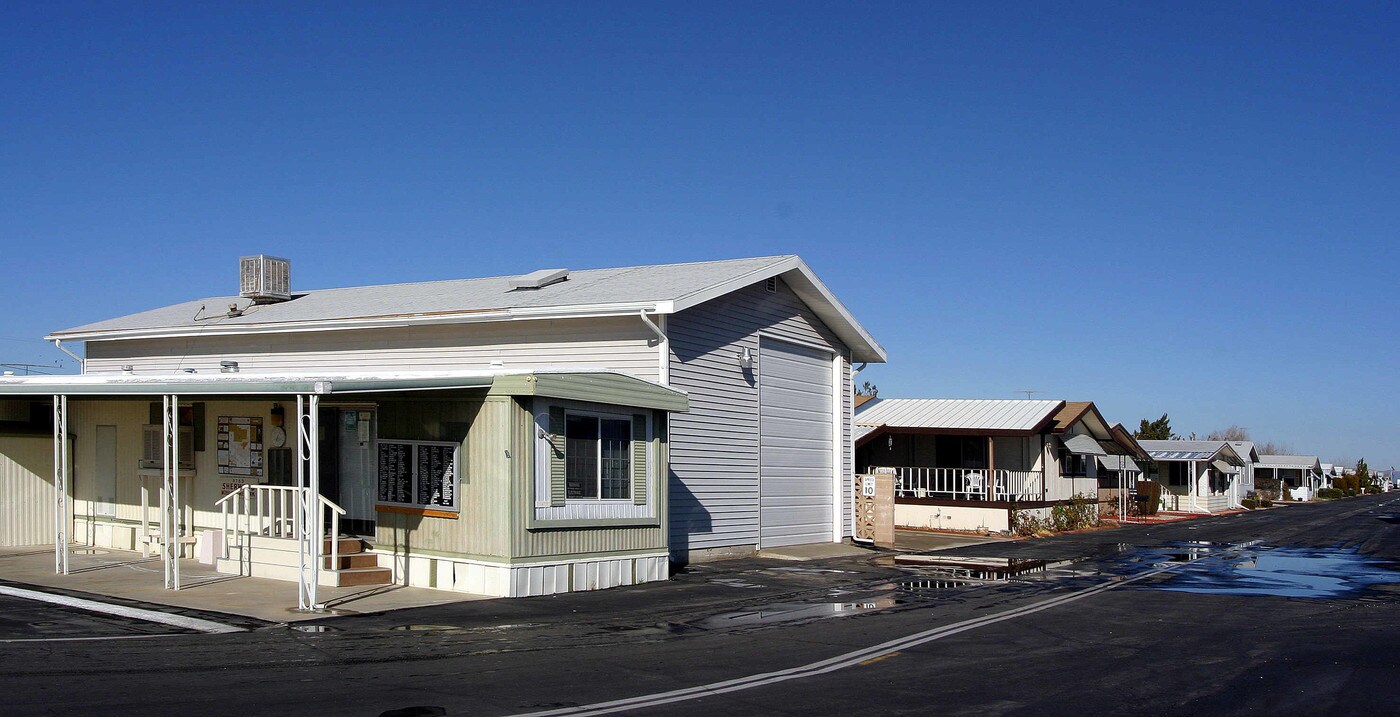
column 968, row 464
column 1197, row 476
column 1300, row 476
column 512, row 435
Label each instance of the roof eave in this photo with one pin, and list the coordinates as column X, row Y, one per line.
column 804, row 282
column 369, row 322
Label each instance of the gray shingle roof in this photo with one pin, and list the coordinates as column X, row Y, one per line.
column 667, row 282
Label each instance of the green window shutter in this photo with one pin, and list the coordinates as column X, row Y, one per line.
column 639, row 459
column 558, row 464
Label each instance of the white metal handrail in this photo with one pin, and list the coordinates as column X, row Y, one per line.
column 272, row 511
column 964, row 483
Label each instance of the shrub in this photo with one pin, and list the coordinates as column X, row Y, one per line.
column 1079, row 513
column 1028, row 524
column 1330, row 493
column 1266, row 503
column 1250, row 503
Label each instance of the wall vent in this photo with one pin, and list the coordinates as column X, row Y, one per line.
column 264, row 279
column 539, row 279
column 773, row 284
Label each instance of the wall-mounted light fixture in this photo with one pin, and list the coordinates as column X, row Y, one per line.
column 128, row 368
column 745, row 358
column 228, row 367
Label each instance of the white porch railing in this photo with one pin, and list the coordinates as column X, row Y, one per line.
column 964, row 483
column 273, row 511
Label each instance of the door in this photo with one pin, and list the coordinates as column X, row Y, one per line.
column 347, row 471
column 796, row 484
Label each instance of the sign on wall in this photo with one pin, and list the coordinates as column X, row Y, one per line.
column 240, row 444
column 418, row 473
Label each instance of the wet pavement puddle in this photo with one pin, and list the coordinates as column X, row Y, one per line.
column 794, row 612
column 1276, row 572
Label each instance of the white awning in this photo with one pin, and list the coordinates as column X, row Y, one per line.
column 1082, row 445
column 1224, row 467
column 1118, row 463
column 596, row 385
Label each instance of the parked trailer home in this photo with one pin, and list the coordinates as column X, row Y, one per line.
column 969, row 464
column 1299, row 477
column 507, row 436
column 1199, row 476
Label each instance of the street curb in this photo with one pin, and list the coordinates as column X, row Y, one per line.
column 181, row 621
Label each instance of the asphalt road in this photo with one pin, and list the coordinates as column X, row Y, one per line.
column 1108, row 631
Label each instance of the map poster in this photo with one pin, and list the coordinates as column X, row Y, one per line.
column 240, row 445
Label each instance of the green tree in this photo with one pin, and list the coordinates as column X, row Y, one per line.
column 1158, row 430
column 1364, row 479
column 868, row 389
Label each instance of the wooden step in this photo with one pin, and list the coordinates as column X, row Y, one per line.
column 354, row 560
column 364, row 576
column 347, row 546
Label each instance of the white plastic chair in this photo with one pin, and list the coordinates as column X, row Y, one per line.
column 973, row 484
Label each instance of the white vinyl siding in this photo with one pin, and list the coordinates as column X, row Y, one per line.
column 714, row 446
column 620, row 343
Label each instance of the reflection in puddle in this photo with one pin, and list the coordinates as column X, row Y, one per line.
column 315, row 628
column 1282, row 572
column 792, row 612
column 426, row 628
column 952, row 568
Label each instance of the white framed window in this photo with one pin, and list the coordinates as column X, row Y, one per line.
column 593, row 461
column 599, row 462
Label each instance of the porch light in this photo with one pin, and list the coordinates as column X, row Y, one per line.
column 228, row 367
column 745, row 358
column 889, row 441
column 128, row 368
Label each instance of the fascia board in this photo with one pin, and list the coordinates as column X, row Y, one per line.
column 812, row 291
column 527, row 314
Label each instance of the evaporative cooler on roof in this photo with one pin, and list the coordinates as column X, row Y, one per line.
column 264, row 279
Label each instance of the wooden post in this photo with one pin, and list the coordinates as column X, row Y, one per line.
column 991, row 468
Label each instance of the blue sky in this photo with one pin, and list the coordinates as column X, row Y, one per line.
column 1179, row 207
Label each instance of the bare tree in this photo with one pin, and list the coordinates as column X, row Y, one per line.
column 1233, row 433
column 1273, row 448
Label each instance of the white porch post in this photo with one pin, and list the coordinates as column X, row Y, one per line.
column 170, row 512
column 310, row 528
column 1195, row 478
column 60, row 484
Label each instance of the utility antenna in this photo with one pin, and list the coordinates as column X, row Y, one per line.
column 1028, row 391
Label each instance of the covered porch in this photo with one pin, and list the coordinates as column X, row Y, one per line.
column 1294, row 477
column 1196, row 478
column 960, row 482
column 346, row 481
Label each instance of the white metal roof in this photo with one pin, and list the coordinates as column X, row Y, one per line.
column 1011, row 415
column 660, row 289
column 1178, row 450
column 1290, row 462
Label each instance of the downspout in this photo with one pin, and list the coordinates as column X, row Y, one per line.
column 663, row 346
column 82, row 364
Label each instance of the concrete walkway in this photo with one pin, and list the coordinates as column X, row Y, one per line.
column 814, row 551
column 922, row 541
column 129, row 576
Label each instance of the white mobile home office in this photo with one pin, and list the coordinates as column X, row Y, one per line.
column 760, row 347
